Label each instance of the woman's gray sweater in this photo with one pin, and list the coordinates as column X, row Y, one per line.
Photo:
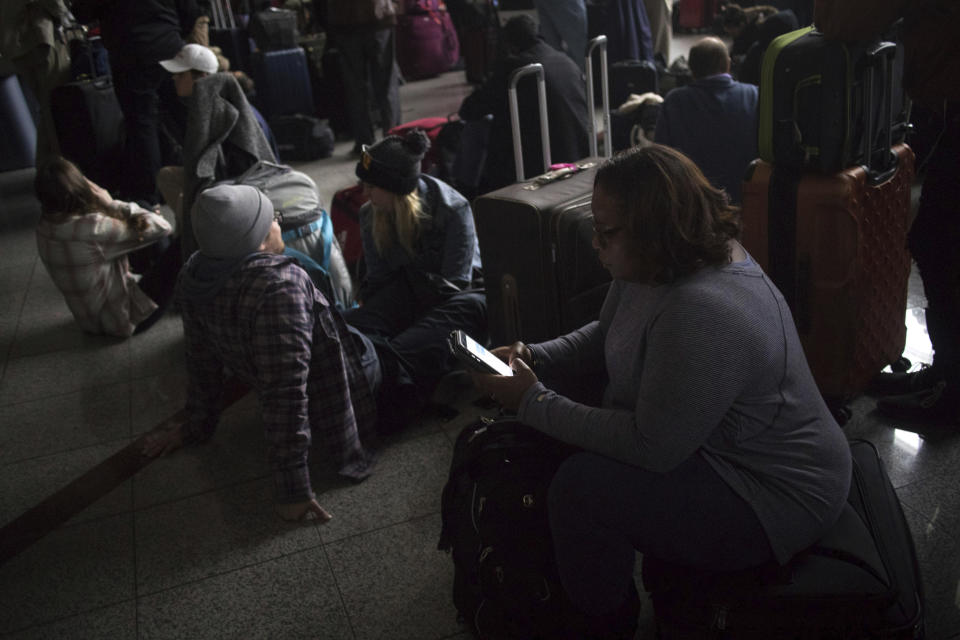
column 709, row 365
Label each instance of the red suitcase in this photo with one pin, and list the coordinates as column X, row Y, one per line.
column 345, row 215
column 845, row 271
column 695, row 14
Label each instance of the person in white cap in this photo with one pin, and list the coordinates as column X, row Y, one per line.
column 250, row 309
column 224, row 134
column 193, row 61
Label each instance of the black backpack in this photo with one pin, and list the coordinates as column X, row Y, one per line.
column 495, row 526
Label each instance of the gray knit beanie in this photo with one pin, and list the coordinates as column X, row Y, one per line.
column 394, row 162
column 231, row 220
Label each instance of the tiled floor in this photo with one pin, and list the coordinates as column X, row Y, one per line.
column 190, row 547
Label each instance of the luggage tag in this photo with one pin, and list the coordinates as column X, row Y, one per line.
column 557, row 172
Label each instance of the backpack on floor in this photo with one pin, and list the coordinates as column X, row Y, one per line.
column 305, row 223
column 495, row 527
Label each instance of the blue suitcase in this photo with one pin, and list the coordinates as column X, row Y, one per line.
column 283, row 83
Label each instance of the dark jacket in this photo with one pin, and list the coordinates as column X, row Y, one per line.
column 713, row 122
column 138, row 32
column 566, row 112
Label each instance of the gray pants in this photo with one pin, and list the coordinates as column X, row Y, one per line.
column 371, row 79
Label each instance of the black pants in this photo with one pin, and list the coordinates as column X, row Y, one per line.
column 139, row 90
column 934, row 241
column 159, row 264
column 411, row 338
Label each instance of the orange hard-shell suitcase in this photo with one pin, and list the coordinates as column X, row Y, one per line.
column 840, row 259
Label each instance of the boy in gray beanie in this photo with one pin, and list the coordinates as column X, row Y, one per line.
column 248, row 308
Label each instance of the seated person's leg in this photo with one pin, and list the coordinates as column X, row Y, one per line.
column 387, row 312
column 602, row 511
column 170, row 185
column 159, row 263
column 423, row 346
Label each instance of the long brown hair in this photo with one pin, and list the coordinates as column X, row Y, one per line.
column 676, row 217
column 63, row 190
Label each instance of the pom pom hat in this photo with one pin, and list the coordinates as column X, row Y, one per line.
column 393, row 163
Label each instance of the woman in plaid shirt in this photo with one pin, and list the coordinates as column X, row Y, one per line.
column 84, row 238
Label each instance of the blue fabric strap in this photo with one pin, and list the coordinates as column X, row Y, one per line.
column 322, row 224
column 301, row 232
column 327, row 238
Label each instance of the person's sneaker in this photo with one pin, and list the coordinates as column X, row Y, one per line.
column 896, row 384
column 934, row 405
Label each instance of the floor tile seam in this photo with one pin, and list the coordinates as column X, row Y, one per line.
column 142, row 593
column 67, row 616
column 365, row 532
column 136, row 586
column 336, row 584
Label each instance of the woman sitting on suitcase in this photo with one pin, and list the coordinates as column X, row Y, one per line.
column 712, row 447
column 87, row 241
column 422, row 271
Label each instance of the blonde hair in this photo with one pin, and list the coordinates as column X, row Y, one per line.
column 401, row 224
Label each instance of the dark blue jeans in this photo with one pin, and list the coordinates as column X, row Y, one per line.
column 603, row 511
column 139, row 91
column 411, row 341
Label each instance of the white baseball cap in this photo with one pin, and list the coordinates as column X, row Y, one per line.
column 192, row 56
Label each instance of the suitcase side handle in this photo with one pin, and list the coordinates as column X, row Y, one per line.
column 515, row 76
column 600, row 42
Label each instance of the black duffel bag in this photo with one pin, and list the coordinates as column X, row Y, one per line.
column 495, row 526
column 274, row 29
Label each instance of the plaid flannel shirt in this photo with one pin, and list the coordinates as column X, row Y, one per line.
column 276, row 332
column 86, row 258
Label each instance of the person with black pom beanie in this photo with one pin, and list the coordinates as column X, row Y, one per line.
column 422, row 277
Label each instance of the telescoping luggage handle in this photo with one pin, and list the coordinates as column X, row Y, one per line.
column 531, row 69
column 223, row 17
column 600, row 42
column 880, row 55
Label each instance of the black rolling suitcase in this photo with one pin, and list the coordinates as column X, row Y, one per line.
column 541, row 272
column 90, row 127
column 861, row 580
column 274, row 29
column 233, row 41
